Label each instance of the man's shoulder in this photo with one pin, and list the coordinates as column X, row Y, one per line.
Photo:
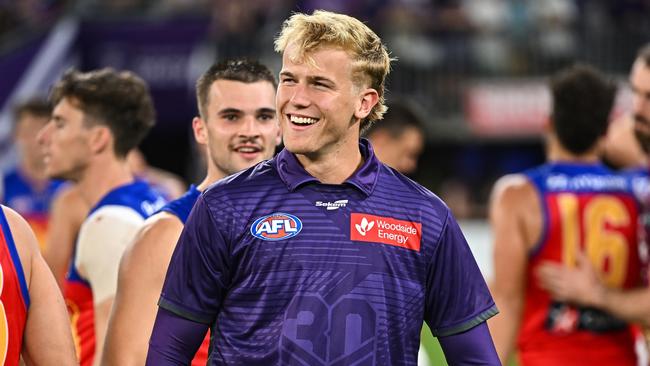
column 139, row 196
column 21, row 233
column 254, row 178
column 155, row 240
column 514, row 186
column 392, row 184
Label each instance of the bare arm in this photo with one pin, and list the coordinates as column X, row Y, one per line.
column 513, row 202
column 66, row 215
column 142, row 272
column 47, row 338
column 581, row 285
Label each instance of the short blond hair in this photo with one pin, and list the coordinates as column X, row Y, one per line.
column 370, row 59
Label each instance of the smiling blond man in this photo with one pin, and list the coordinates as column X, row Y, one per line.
column 281, row 279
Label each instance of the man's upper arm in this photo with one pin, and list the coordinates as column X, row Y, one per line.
column 46, row 308
column 513, row 198
column 198, row 273
column 102, row 240
column 515, row 219
column 141, row 275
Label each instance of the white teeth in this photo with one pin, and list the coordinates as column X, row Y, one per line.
column 303, row 120
column 247, row 149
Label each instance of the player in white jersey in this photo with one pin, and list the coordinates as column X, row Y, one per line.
column 98, row 118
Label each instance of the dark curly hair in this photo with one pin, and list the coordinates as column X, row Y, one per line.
column 582, row 102
column 119, row 100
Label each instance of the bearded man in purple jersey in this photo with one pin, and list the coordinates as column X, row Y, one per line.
column 323, row 255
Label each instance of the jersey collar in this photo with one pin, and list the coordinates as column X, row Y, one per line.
column 294, row 175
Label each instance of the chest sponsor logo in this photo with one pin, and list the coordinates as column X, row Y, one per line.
column 276, row 226
column 385, row 230
column 332, row 205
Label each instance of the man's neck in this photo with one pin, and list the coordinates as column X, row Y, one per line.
column 333, row 167
column 35, row 174
column 558, row 155
column 102, row 177
column 213, row 175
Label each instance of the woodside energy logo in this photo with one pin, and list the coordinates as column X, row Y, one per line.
column 385, row 230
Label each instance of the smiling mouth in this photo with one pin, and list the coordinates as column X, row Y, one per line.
column 302, row 121
column 248, row 149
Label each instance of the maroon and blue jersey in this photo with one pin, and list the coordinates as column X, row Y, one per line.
column 587, row 208
column 17, row 192
column 182, row 206
column 141, row 199
column 14, row 297
column 287, row 270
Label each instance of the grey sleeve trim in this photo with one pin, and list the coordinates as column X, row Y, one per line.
column 469, row 324
column 184, row 313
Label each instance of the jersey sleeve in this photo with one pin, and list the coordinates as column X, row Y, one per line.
column 198, row 272
column 457, row 297
column 102, row 240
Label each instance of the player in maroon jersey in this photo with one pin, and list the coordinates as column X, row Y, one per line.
column 571, row 205
column 33, row 319
column 582, row 284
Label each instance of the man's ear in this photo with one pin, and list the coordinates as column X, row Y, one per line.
column 101, row 138
column 367, row 100
column 200, row 130
column 278, row 137
column 548, row 125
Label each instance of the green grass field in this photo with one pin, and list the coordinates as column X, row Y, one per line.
column 431, row 346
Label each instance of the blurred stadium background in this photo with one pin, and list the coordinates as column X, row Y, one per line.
column 476, row 69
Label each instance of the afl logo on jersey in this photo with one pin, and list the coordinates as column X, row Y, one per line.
column 276, row 226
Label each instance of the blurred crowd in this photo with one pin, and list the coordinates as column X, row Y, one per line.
column 441, row 46
column 517, row 37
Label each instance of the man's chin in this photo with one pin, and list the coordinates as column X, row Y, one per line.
column 297, row 147
column 59, row 176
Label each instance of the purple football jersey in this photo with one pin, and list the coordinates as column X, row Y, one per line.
column 287, row 270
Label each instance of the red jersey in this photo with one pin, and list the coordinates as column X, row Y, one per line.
column 588, row 209
column 14, row 297
column 201, row 356
column 79, row 300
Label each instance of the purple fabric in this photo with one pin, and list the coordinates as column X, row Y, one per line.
column 473, row 347
column 454, row 268
column 333, row 291
column 294, row 175
column 174, row 340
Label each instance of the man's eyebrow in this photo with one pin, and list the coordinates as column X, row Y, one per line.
column 286, row 73
column 229, row 110
column 321, row 78
column 266, row 110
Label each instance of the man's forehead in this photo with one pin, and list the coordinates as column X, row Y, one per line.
column 241, row 95
column 313, row 58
